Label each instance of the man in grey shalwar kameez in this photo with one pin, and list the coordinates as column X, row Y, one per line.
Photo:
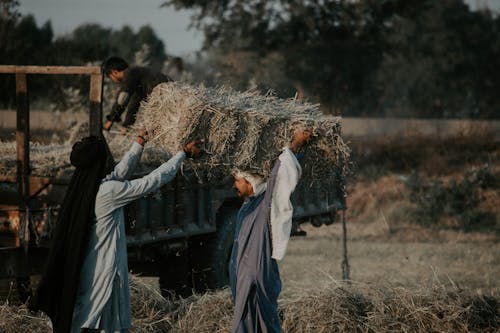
column 263, row 227
column 103, row 297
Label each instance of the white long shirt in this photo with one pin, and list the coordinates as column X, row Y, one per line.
column 103, row 297
column 288, row 176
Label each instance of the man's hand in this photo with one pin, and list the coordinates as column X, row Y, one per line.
column 107, row 125
column 142, row 137
column 191, row 149
column 299, row 139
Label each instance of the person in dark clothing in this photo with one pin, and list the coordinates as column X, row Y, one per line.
column 56, row 291
column 263, row 226
column 85, row 282
column 136, row 83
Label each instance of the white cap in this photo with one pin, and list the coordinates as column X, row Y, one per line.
column 255, row 180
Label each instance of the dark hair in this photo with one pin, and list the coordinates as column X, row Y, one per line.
column 116, row 63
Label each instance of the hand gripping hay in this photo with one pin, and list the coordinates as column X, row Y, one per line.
column 244, row 130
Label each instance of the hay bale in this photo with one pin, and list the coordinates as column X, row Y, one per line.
column 241, row 130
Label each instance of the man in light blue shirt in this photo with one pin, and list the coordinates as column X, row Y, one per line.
column 103, row 297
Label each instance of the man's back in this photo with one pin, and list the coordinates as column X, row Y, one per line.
column 136, row 85
column 142, row 80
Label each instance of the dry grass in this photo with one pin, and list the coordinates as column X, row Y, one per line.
column 52, row 160
column 240, row 130
column 338, row 308
column 411, row 258
column 359, row 308
column 432, row 155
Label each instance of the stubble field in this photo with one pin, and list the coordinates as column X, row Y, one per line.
column 414, row 267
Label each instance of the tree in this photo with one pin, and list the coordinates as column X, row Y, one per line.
column 366, row 57
column 23, row 42
column 327, row 48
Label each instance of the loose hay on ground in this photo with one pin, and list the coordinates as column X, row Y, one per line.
column 339, row 308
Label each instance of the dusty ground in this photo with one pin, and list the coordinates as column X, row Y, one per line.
column 315, row 261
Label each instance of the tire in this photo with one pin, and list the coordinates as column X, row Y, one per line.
column 210, row 257
column 175, row 278
column 24, row 288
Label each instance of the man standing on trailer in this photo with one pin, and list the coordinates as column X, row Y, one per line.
column 263, row 226
column 136, row 83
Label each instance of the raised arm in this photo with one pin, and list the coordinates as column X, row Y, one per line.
column 127, row 191
column 287, row 177
column 130, row 160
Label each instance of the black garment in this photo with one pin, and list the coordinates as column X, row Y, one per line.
column 56, row 292
column 138, row 82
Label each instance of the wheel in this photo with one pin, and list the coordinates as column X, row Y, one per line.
column 24, row 288
column 210, row 257
column 175, row 278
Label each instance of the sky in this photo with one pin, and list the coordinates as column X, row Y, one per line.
column 170, row 25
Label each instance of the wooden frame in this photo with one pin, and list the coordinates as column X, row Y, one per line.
column 23, row 118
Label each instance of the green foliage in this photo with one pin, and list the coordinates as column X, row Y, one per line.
column 23, row 42
column 369, row 57
column 457, row 200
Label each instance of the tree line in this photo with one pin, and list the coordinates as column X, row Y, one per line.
column 24, row 42
column 397, row 58
column 401, row 58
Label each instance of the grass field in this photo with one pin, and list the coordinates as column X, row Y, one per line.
column 414, row 267
column 314, row 261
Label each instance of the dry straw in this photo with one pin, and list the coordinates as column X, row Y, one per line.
column 244, row 130
column 338, row 308
column 52, row 160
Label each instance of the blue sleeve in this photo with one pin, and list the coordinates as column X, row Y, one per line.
column 128, row 163
column 127, row 191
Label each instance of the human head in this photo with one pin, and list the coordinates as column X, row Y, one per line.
column 114, row 68
column 89, row 152
column 247, row 184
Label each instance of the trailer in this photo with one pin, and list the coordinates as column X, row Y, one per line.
column 183, row 234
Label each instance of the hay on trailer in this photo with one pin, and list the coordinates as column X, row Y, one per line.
column 45, row 160
column 52, row 160
column 241, row 130
column 244, row 130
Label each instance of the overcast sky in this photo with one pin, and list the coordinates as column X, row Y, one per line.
column 170, row 25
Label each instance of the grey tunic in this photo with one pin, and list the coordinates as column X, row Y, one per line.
column 254, row 276
column 103, row 297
